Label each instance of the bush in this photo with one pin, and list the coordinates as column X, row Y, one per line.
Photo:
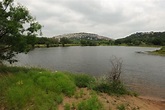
column 112, row 83
column 118, row 88
column 103, row 87
column 111, row 88
column 91, row 104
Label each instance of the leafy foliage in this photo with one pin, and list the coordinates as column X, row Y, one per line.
column 64, row 41
column 49, row 42
column 141, row 38
column 16, row 27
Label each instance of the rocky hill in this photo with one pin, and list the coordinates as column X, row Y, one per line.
column 83, row 35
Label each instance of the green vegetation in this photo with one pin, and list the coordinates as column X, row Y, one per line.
column 23, row 88
column 90, row 104
column 143, row 39
column 83, row 80
column 33, row 88
column 46, row 42
column 54, row 42
column 112, row 88
column 67, row 106
column 18, row 30
column 159, row 52
column 112, row 84
column 121, row 107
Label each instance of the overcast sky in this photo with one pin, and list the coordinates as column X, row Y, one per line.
column 111, row 18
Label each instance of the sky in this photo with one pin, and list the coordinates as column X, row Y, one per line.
column 111, row 18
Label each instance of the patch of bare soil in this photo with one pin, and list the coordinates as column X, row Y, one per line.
column 111, row 102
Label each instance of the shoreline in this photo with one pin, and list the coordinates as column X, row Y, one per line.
column 152, row 98
column 77, row 94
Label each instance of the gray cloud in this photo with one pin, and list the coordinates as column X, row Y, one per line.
column 110, row 18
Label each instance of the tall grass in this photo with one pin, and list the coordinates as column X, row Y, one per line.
column 112, row 88
column 38, row 89
column 84, row 80
column 22, row 88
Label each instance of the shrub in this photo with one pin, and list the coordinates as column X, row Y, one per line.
column 103, row 87
column 112, row 83
column 118, row 88
column 111, row 88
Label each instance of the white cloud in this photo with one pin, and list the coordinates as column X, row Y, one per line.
column 112, row 18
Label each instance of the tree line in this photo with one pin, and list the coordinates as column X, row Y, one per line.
column 50, row 42
column 141, row 38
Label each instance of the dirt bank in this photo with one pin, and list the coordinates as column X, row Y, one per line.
column 111, row 102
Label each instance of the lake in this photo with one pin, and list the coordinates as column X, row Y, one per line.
column 141, row 72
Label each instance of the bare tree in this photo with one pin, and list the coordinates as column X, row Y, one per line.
column 116, row 69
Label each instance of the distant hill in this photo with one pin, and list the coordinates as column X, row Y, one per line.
column 82, row 35
column 143, row 38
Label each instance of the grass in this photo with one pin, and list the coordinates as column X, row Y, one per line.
column 22, row 87
column 121, row 107
column 91, row 104
column 111, row 88
column 67, row 106
column 159, row 52
column 83, row 80
column 39, row 89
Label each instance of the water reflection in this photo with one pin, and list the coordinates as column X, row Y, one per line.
column 141, row 71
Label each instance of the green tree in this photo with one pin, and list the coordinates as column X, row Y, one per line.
column 83, row 42
column 64, row 41
column 16, row 25
column 32, row 40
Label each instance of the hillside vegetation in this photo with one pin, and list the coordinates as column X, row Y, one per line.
column 85, row 39
column 159, row 52
column 74, row 39
column 143, row 38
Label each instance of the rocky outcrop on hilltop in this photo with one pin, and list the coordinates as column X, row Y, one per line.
column 83, row 35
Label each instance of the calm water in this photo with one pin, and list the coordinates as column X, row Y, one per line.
column 141, row 72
